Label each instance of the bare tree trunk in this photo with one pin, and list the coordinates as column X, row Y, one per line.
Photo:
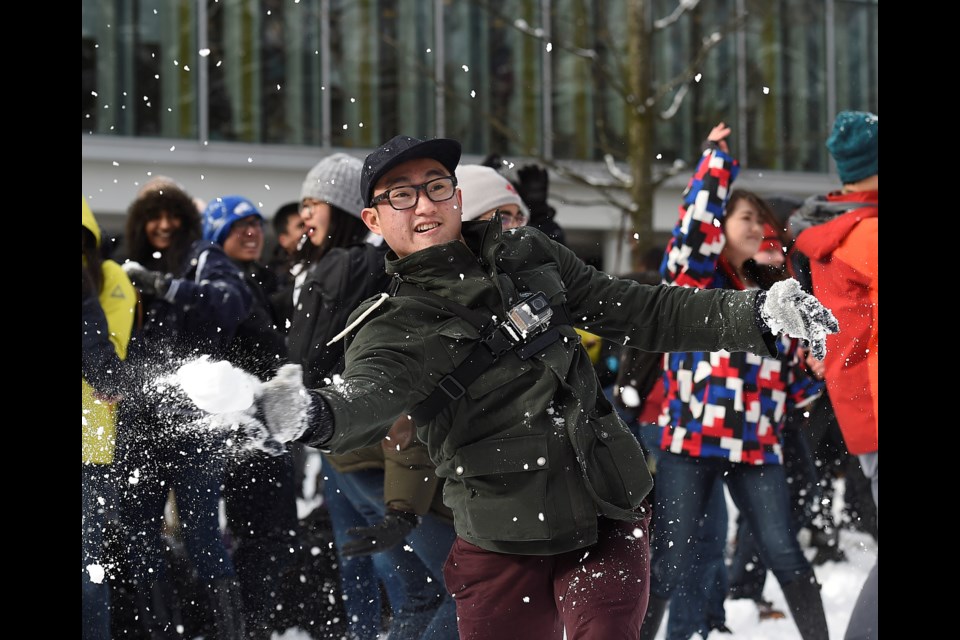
column 640, row 128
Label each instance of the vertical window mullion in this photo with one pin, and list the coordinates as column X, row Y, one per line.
column 203, row 74
column 440, row 54
column 326, row 117
column 546, row 86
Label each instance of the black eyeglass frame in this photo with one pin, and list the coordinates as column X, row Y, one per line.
column 417, row 188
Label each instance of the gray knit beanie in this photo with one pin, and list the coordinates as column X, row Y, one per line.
column 336, row 181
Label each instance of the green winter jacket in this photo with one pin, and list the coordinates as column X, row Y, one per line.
column 533, row 452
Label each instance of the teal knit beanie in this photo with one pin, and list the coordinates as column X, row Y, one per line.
column 853, row 143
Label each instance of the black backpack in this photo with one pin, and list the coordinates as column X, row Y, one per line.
column 334, row 287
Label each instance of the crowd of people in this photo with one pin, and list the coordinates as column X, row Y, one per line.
column 485, row 472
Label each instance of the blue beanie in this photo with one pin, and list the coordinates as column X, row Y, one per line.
column 222, row 212
column 853, row 143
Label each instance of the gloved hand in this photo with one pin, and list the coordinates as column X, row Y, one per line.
column 149, row 283
column 788, row 309
column 533, row 185
column 282, row 404
column 494, row 161
column 388, row 533
column 402, row 434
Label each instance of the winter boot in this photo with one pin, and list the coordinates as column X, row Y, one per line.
column 156, row 607
column 827, row 544
column 226, row 604
column 719, row 626
column 766, row 610
column 803, row 597
column 651, row 622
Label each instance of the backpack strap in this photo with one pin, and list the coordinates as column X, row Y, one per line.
column 496, row 342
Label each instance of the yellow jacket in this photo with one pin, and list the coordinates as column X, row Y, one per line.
column 118, row 298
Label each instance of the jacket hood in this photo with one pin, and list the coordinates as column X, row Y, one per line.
column 88, row 222
column 819, row 209
column 821, row 240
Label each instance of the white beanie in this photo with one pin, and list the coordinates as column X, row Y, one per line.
column 485, row 189
column 335, row 180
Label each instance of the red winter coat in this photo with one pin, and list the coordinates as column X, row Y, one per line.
column 844, row 265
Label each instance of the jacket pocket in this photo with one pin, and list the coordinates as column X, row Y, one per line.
column 545, row 278
column 613, row 465
column 504, row 489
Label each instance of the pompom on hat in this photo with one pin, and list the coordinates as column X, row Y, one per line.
column 221, row 213
column 336, row 181
column 485, row 189
column 771, row 239
column 854, row 144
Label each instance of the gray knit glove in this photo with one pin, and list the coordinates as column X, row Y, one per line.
column 788, row 309
column 282, row 404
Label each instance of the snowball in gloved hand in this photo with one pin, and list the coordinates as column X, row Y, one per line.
column 789, row 310
column 282, row 404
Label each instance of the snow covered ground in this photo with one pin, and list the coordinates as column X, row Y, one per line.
column 841, row 582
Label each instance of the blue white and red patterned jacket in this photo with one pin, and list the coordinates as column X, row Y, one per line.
column 723, row 404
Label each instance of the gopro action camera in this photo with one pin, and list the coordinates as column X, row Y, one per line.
column 531, row 313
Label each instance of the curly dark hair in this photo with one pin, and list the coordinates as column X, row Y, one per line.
column 148, row 207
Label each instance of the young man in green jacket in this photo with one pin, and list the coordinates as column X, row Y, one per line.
column 546, row 484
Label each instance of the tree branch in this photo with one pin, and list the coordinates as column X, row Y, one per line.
column 683, row 79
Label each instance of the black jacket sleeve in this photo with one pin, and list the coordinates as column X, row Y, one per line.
column 99, row 362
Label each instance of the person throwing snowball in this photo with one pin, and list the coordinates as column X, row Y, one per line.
column 476, row 342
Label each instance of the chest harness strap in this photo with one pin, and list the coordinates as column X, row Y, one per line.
column 496, row 341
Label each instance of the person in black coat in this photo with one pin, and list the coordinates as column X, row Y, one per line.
column 193, row 300
column 259, row 491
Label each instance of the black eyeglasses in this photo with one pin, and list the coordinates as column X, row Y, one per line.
column 407, row 196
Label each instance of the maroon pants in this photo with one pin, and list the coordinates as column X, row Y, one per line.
column 600, row 592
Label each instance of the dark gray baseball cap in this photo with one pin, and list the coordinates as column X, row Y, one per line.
column 401, row 149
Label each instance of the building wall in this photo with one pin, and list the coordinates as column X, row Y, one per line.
column 244, row 96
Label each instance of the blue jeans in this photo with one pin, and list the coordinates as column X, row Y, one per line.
column 748, row 573
column 95, row 485
column 432, row 541
column 697, row 604
column 683, row 487
column 421, row 605
column 359, row 576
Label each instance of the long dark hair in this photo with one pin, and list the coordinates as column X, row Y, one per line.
column 92, row 259
column 765, row 276
column 345, row 230
column 148, row 207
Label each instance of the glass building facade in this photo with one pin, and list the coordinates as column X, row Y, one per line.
column 533, row 78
